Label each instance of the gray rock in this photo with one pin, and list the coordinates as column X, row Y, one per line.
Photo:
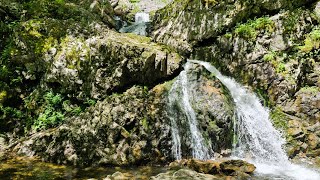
column 184, row 24
column 183, row 174
column 123, row 129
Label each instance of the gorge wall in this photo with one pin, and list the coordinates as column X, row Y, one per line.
column 88, row 95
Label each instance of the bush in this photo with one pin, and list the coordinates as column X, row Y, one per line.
column 312, row 41
column 250, row 29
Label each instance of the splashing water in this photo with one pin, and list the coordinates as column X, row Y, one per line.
column 140, row 25
column 257, row 139
column 179, row 95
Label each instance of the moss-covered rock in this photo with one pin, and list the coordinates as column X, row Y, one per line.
column 109, row 62
column 185, row 24
column 111, row 132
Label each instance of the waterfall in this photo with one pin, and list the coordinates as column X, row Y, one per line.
column 139, row 27
column 256, row 136
column 141, row 17
column 257, row 140
column 179, row 96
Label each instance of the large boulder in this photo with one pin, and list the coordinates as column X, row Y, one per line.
column 123, row 129
column 236, row 168
column 183, row 174
column 108, row 62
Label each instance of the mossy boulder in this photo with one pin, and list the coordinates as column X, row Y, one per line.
column 109, row 62
column 123, row 129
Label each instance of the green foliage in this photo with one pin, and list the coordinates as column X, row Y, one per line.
column 246, row 31
column 228, row 35
column 312, row 41
column 145, row 124
column 250, row 29
column 290, row 22
column 280, row 67
column 48, row 110
column 312, row 89
column 90, row 102
column 271, row 56
column 51, row 114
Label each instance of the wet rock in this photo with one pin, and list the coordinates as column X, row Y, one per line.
column 232, row 166
column 235, row 168
column 307, row 104
column 213, row 108
column 119, row 176
column 183, row 174
column 206, row 167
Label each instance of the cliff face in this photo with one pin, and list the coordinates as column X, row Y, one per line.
column 58, row 58
column 81, row 93
column 185, row 24
column 271, row 46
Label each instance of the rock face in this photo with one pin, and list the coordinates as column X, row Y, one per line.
column 277, row 55
column 185, row 24
column 121, row 130
column 212, row 105
column 133, row 127
column 264, row 54
column 109, row 62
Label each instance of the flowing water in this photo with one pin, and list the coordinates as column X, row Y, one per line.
column 179, row 96
column 256, row 139
column 140, row 25
column 24, row 168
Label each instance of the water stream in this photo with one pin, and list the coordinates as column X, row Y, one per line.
column 257, row 140
column 140, row 25
column 179, row 96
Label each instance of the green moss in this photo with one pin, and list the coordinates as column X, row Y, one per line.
column 310, row 89
column 271, row 56
column 312, row 41
column 144, row 122
column 280, row 68
column 3, row 95
column 228, row 35
column 279, row 119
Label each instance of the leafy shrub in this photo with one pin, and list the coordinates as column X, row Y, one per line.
column 312, row 41
column 250, row 29
column 280, row 67
column 270, row 56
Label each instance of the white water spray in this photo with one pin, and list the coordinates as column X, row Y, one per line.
column 179, row 96
column 140, row 25
column 141, row 17
column 257, row 139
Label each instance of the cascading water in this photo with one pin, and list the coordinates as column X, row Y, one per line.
column 140, row 25
column 257, row 140
column 179, row 96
